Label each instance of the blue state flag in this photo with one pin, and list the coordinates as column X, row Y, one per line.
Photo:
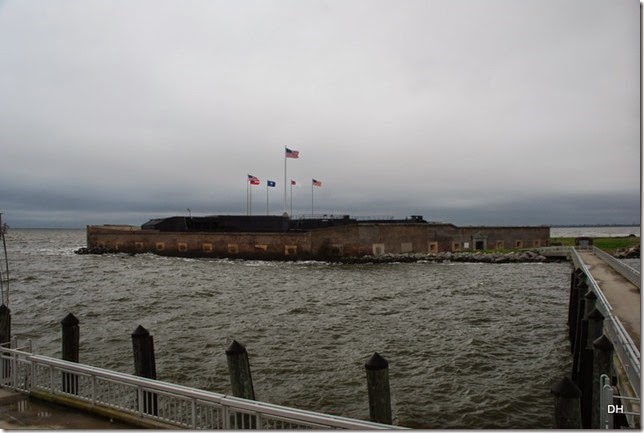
column 270, row 183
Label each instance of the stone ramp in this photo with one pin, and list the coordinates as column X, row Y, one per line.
column 20, row 412
column 622, row 295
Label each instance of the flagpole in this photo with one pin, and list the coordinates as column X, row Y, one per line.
column 291, row 199
column 285, row 178
column 250, row 201
column 312, row 198
column 266, row 198
column 247, row 186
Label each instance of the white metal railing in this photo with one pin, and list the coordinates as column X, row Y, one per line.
column 622, row 268
column 608, row 407
column 172, row 404
column 13, row 366
column 625, row 349
column 558, row 250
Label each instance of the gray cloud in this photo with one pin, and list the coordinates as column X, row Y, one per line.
column 460, row 108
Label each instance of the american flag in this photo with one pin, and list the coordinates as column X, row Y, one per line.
column 317, row 183
column 253, row 180
column 293, row 182
column 292, row 153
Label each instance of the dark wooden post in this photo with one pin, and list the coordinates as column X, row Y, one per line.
column 581, row 329
column 5, row 324
column 145, row 365
column 586, row 305
column 71, row 349
column 595, row 320
column 591, row 301
column 572, row 308
column 573, row 305
column 378, row 387
column 602, row 360
column 582, row 287
column 5, row 337
column 567, row 404
column 595, row 327
column 241, row 382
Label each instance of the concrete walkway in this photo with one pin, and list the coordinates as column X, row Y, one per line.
column 18, row 411
column 622, row 295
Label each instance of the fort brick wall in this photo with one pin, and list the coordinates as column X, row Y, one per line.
column 495, row 238
column 202, row 244
column 329, row 242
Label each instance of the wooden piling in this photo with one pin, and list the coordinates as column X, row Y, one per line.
column 572, row 308
column 5, row 337
column 595, row 327
column 241, row 380
column 5, row 324
column 582, row 288
column 595, row 321
column 71, row 350
column 71, row 338
column 580, row 339
column 145, row 365
column 590, row 301
column 575, row 293
column 602, row 361
column 567, row 404
column 586, row 305
column 377, row 369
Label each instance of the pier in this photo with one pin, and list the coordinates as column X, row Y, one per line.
column 142, row 402
column 603, row 390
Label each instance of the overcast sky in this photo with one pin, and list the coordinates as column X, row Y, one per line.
column 473, row 112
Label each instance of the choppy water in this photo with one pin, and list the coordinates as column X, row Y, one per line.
column 469, row 345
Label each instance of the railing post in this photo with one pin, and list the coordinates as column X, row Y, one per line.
column 194, row 413
column 377, row 369
column 51, row 380
column 607, row 398
column 226, row 415
column 145, row 366
column 141, row 399
column 14, row 363
column 93, row 390
column 32, row 372
column 71, row 348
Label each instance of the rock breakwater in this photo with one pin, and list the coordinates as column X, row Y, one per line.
column 527, row 256
column 628, row 253
column 463, row 256
column 95, row 250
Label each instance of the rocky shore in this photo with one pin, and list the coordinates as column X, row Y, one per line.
column 465, row 256
column 527, row 256
column 95, row 250
column 628, row 253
